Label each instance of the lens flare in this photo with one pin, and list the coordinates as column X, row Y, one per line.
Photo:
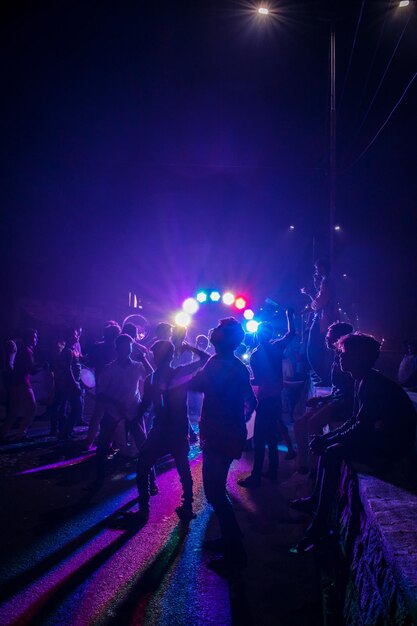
column 248, row 314
column 190, row 305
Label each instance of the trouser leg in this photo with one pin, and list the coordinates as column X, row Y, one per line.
column 108, row 427
column 301, row 438
column 28, row 404
column 215, row 470
column 328, row 479
column 260, row 435
column 153, row 448
column 183, row 467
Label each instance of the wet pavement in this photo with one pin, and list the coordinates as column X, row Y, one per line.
column 66, row 561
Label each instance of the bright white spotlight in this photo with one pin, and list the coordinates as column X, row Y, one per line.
column 182, row 318
column 292, row 227
column 404, row 3
column 246, row 356
column 201, row 297
column 215, row 296
column 263, row 11
column 190, row 305
column 228, row 298
column 248, row 314
column 337, row 227
column 252, row 326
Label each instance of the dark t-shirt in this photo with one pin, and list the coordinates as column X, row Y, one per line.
column 23, row 367
column 100, row 355
column 385, row 423
column 266, row 364
column 227, row 390
column 166, row 391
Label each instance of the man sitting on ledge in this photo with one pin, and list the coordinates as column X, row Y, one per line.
column 380, row 433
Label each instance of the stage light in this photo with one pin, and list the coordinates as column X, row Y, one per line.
column 201, row 297
column 292, row 227
column 215, row 296
column 190, row 305
column 182, row 318
column 248, row 314
column 240, row 303
column 263, row 11
column 246, row 356
column 228, row 298
column 404, row 3
column 252, row 326
column 337, row 227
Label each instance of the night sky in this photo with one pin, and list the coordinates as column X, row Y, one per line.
column 165, row 146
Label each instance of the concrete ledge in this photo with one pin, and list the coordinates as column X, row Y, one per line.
column 378, row 525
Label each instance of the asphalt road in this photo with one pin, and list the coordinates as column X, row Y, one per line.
column 65, row 561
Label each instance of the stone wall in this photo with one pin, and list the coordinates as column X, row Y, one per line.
column 378, row 567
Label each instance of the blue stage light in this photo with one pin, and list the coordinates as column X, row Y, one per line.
column 215, row 296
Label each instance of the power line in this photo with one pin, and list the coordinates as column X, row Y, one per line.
column 383, row 75
column 386, row 121
column 352, row 51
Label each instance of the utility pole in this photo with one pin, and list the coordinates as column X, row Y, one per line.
column 332, row 160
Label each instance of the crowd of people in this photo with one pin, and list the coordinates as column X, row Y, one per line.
column 150, row 394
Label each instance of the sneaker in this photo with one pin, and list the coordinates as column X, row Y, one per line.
column 186, row 514
column 139, row 517
column 229, row 563
column 302, row 505
column 249, row 481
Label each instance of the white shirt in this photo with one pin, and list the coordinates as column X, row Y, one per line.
column 120, row 383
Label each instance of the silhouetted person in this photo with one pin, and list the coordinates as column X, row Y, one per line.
column 71, row 409
column 337, row 406
column 228, row 401
column 323, row 305
column 266, row 365
column 139, row 351
column 163, row 331
column 380, row 433
column 165, row 390
column 100, row 355
column 22, row 399
column 119, row 396
column 407, row 372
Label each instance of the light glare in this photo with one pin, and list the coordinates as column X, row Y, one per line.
column 190, row 305
column 252, row 326
column 182, row 319
column 404, row 3
column 215, row 296
column 263, row 11
column 248, row 314
column 201, row 297
column 228, row 298
column 240, row 303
